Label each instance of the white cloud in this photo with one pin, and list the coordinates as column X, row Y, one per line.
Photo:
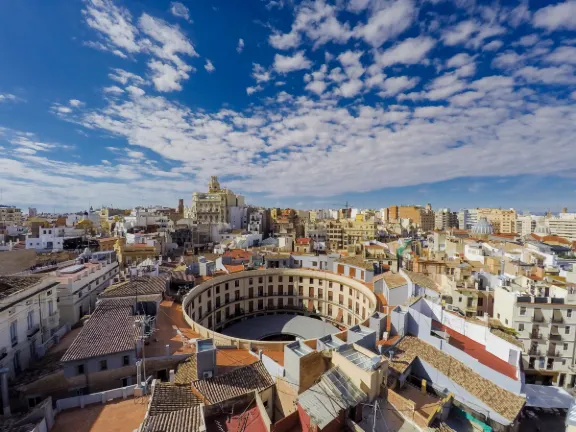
column 460, row 33
column 350, row 60
column 209, row 66
column 114, row 24
column 240, row 46
column 387, row 23
column 7, row 97
column 181, row 11
column 285, row 41
column 350, row 88
column 528, row 40
column 285, row 64
column 254, row 89
column 259, row 73
column 75, row 103
column 394, row 85
column 409, row 51
column 520, row 14
column 495, row 45
column 562, row 55
column 550, row 75
column 166, row 78
column 466, row 98
column 124, row 77
column 458, row 60
column 556, row 17
column 507, row 60
column 317, row 87
column 135, row 91
column 113, row 90
column 573, row 95
column 494, row 82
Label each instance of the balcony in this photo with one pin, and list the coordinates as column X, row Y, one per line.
column 538, row 319
column 553, row 353
column 555, row 337
column 536, row 335
column 557, row 319
column 32, row 331
column 534, row 352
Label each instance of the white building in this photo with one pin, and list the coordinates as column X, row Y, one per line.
column 28, row 319
column 49, row 240
column 79, row 284
column 467, row 218
column 10, row 215
column 563, row 226
column 526, row 224
column 545, row 325
column 445, row 219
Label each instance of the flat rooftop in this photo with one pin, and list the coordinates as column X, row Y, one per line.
column 477, row 350
column 121, row 415
column 299, row 348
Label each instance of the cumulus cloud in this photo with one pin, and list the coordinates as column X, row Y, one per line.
column 7, row 97
column 285, row 64
column 387, row 23
column 209, row 66
column 560, row 16
column 409, row 51
column 179, row 10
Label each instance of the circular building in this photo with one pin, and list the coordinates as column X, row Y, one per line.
column 482, row 227
column 266, row 309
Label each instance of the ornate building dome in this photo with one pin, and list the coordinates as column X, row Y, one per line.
column 482, row 227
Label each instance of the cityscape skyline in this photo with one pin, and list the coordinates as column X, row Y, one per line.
column 289, row 103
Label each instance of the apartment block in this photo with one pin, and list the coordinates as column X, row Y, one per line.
column 503, row 221
column 546, row 327
column 80, row 283
column 10, row 215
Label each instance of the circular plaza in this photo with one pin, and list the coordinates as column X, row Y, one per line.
column 266, row 309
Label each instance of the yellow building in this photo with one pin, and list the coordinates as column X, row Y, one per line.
column 423, row 217
column 133, row 253
column 503, row 221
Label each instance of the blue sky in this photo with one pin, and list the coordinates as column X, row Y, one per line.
column 459, row 103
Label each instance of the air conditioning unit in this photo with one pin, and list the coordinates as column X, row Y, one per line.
column 207, row 374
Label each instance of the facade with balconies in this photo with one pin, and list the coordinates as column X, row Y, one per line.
column 28, row 319
column 546, row 326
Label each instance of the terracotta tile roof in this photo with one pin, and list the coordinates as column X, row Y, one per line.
column 505, row 403
column 141, row 285
column 422, row 280
column 187, row 371
column 12, row 284
column 234, row 268
column 356, row 261
column 394, row 280
column 238, row 254
column 110, row 329
column 168, row 397
column 236, row 383
column 303, row 241
column 374, row 247
column 173, row 408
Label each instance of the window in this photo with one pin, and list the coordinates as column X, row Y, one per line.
column 218, row 289
column 480, row 301
column 30, row 320
column 459, row 299
column 523, row 311
column 279, row 278
column 126, row 360
column 569, row 313
column 498, row 316
column 521, row 327
column 314, row 263
column 50, row 307
column 226, row 286
column 209, row 293
column 103, row 365
column 290, row 279
column 236, row 283
column 565, row 346
column 506, row 321
column 566, row 330
column 269, row 278
column 260, row 279
column 80, row 370
column 14, row 333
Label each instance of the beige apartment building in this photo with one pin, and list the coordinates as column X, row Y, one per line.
column 423, row 217
column 546, row 326
column 10, row 215
column 503, row 221
column 343, row 233
column 563, row 226
column 213, row 206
